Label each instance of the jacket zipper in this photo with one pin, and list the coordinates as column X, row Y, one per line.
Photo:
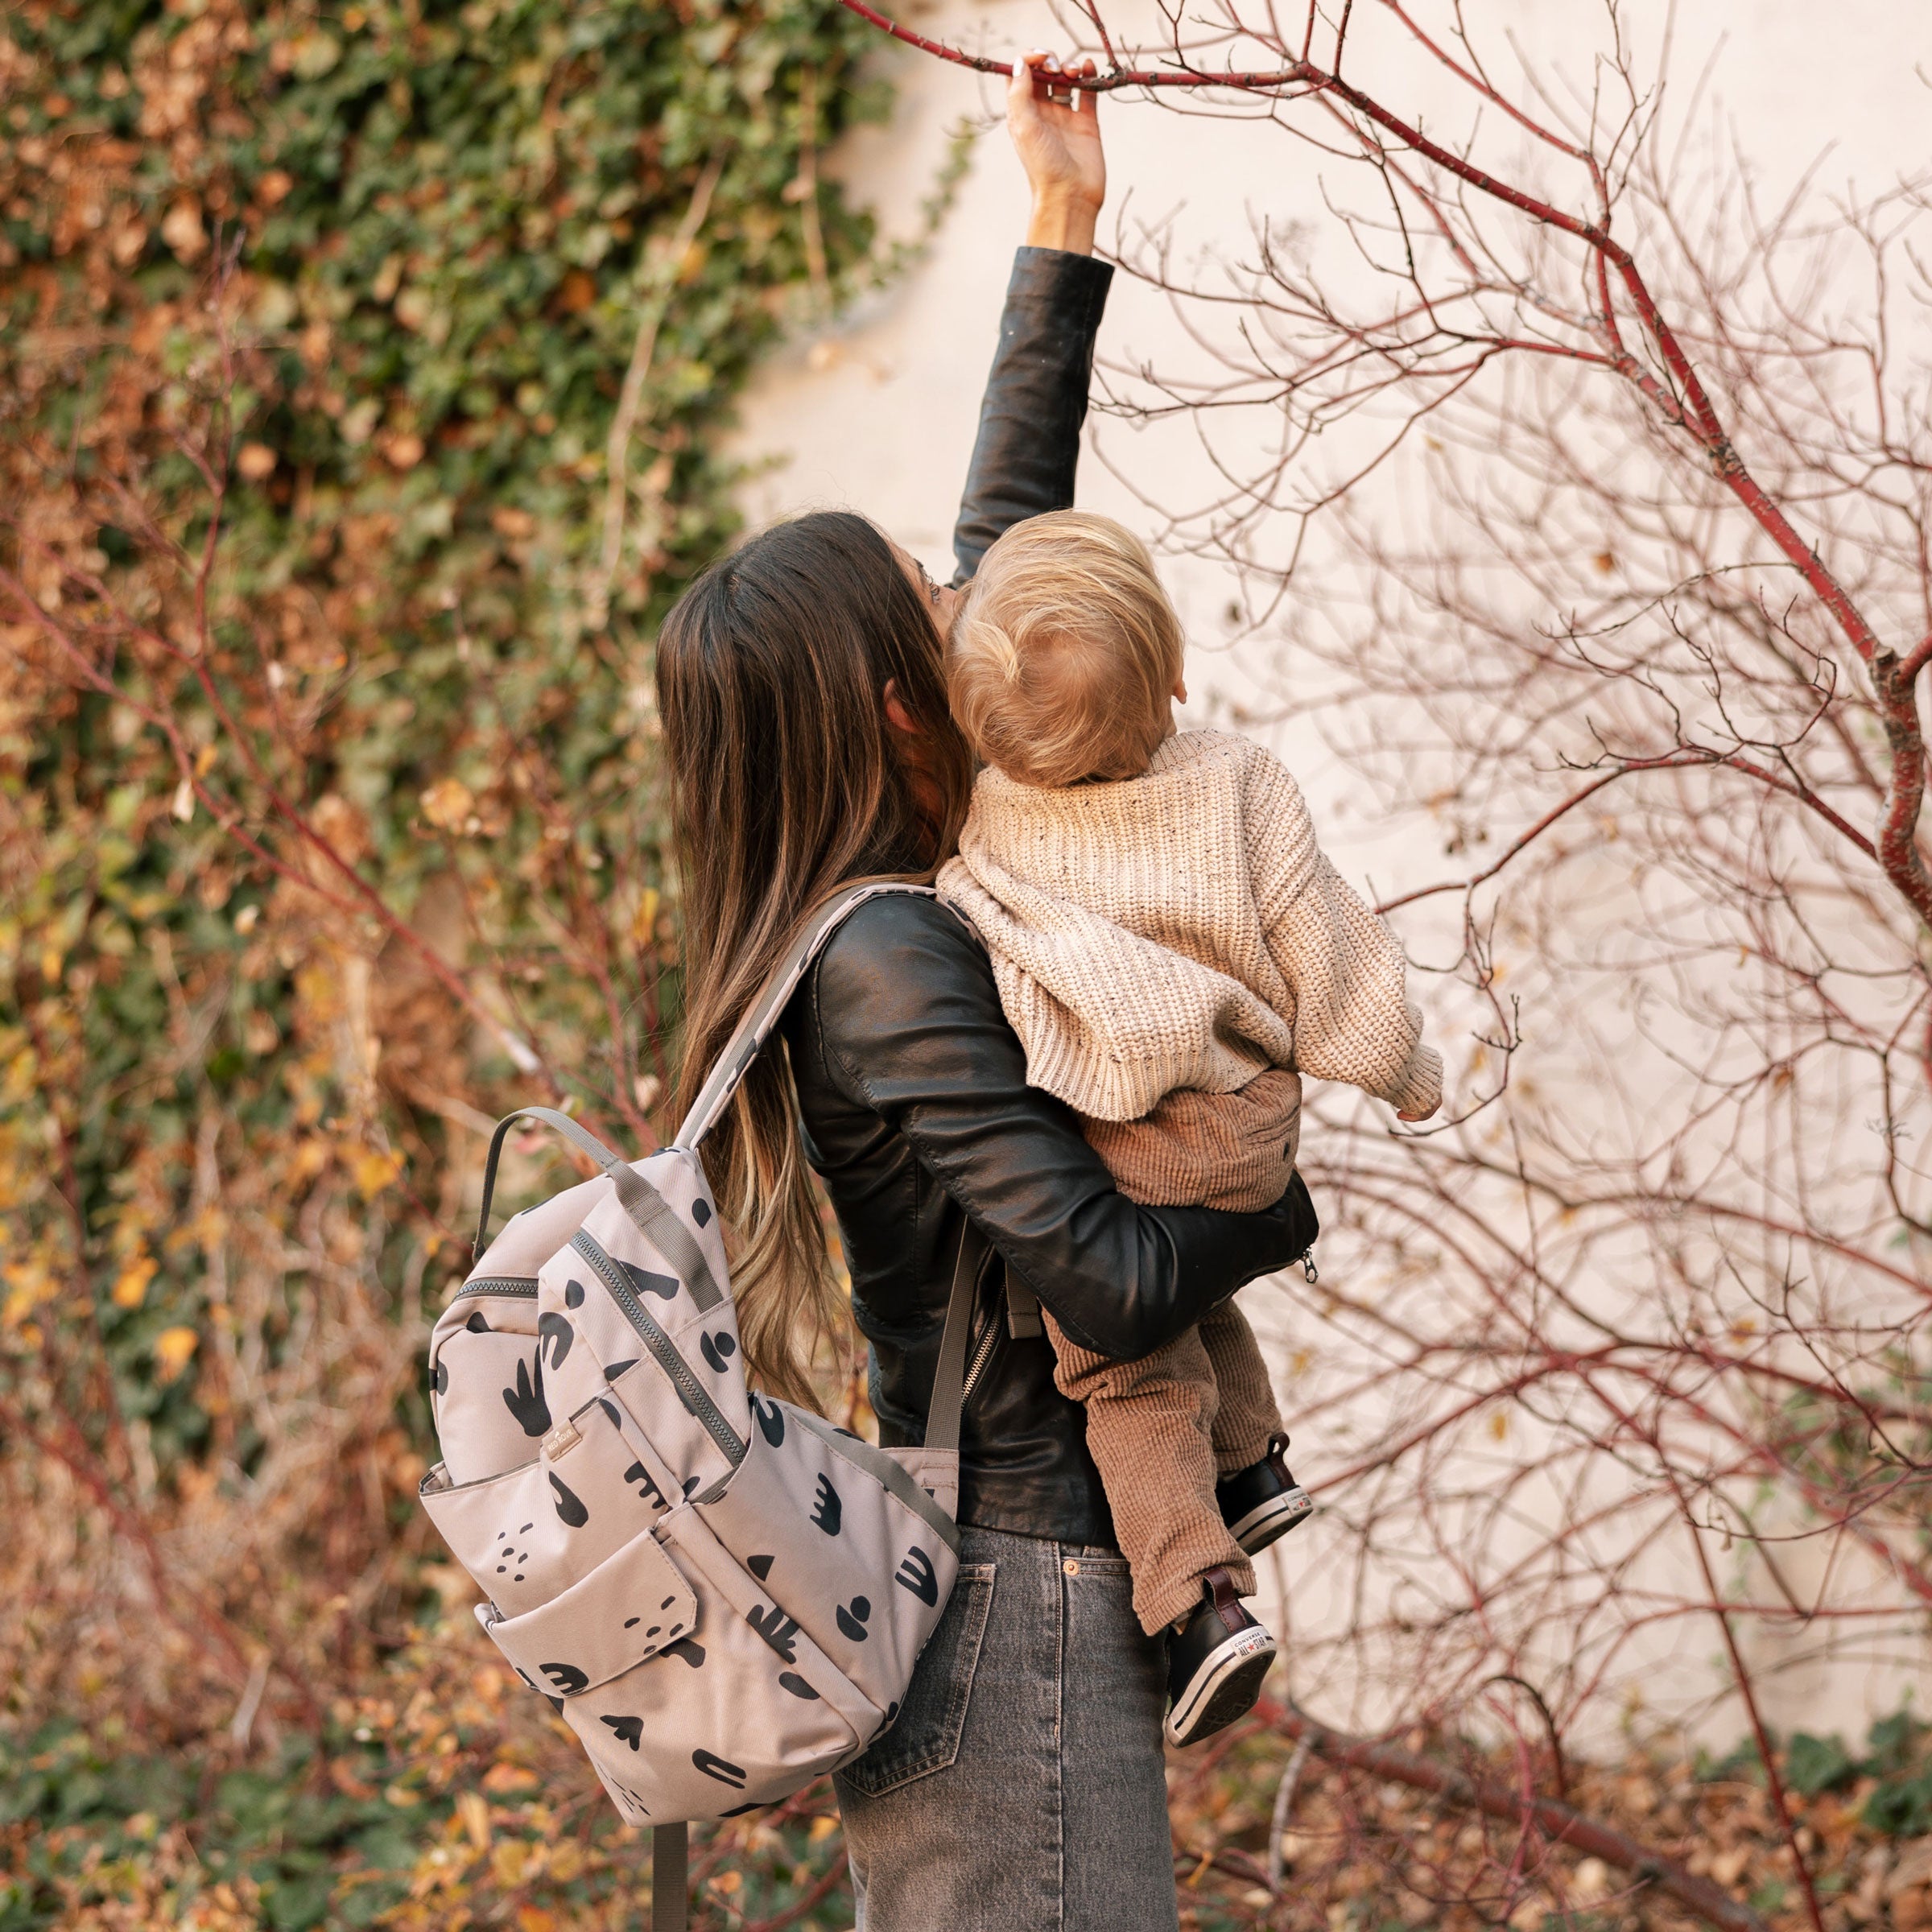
column 982, row 1351
column 692, row 1392
column 499, row 1284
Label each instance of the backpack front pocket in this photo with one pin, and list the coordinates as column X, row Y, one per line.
column 486, row 1378
column 632, row 1606
column 532, row 1532
column 737, row 1715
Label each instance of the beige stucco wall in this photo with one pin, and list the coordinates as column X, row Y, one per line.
column 877, row 413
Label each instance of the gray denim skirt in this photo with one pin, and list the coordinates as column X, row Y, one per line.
column 1021, row 1787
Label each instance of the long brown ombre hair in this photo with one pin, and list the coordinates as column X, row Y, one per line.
column 786, row 781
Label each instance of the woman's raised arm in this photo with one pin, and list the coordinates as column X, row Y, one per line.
column 1029, row 442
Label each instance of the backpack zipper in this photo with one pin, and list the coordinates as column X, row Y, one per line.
column 499, row 1284
column 692, row 1392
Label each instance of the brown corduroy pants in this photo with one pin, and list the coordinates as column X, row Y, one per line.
column 1162, row 1429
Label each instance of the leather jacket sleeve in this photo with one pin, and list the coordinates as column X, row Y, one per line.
column 909, row 1027
column 1029, row 442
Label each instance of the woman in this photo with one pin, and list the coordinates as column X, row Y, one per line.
column 807, row 731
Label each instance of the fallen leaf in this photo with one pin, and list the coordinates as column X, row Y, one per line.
column 374, row 1171
column 174, row 1350
column 575, row 292
column 474, row 1812
column 1914, row 1867
column 182, row 230
column 448, row 803
column 131, row 1288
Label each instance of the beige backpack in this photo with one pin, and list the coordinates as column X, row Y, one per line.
column 723, row 1596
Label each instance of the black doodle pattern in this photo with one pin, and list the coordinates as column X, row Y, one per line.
column 700, row 1211
column 760, row 1566
column 568, row 1677
column 573, row 1294
column 513, row 1559
column 440, row 1378
column 525, row 1401
column 689, row 1650
column 475, row 1324
column 624, row 1795
column 853, row 1617
column 570, row 1506
column 770, row 1419
column 790, row 1680
column 648, row 1492
column 915, row 1574
column 631, row 1623
column 663, row 1286
column 776, row 1627
column 629, row 1730
column 828, row 1512
column 554, row 1331
column 717, row 1350
column 617, row 1368
column 721, row 1769
column 610, row 1412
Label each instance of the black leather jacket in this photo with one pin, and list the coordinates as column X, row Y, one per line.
column 913, row 1088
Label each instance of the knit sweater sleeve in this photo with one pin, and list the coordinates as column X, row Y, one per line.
column 1352, row 1019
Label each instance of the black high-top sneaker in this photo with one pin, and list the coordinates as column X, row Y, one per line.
column 1215, row 1664
column 1263, row 1501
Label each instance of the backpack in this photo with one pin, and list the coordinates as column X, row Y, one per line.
column 723, row 1596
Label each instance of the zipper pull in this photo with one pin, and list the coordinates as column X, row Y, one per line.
column 1308, row 1267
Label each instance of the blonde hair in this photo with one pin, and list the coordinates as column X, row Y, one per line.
column 1065, row 653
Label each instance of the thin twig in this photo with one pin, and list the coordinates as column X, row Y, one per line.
column 631, row 398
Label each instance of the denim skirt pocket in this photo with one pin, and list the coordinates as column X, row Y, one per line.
column 924, row 1735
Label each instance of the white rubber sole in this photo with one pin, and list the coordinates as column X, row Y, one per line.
column 1224, row 1688
column 1275, row 1518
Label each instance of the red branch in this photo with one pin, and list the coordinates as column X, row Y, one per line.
column 1560, row 1823
column 1690, row 407
column 1687, row 760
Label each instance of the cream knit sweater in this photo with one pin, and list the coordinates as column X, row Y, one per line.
column 1181, row 930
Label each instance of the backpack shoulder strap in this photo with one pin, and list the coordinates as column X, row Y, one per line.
column 756, row 1027
column 949, row 1378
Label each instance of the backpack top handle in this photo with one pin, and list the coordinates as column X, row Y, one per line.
column 654, row 1216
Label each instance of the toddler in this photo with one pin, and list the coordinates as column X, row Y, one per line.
column 1174, row 952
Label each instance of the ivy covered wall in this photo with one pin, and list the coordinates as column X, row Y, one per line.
column 328, row 820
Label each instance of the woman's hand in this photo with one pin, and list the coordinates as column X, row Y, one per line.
column 1058, row 142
